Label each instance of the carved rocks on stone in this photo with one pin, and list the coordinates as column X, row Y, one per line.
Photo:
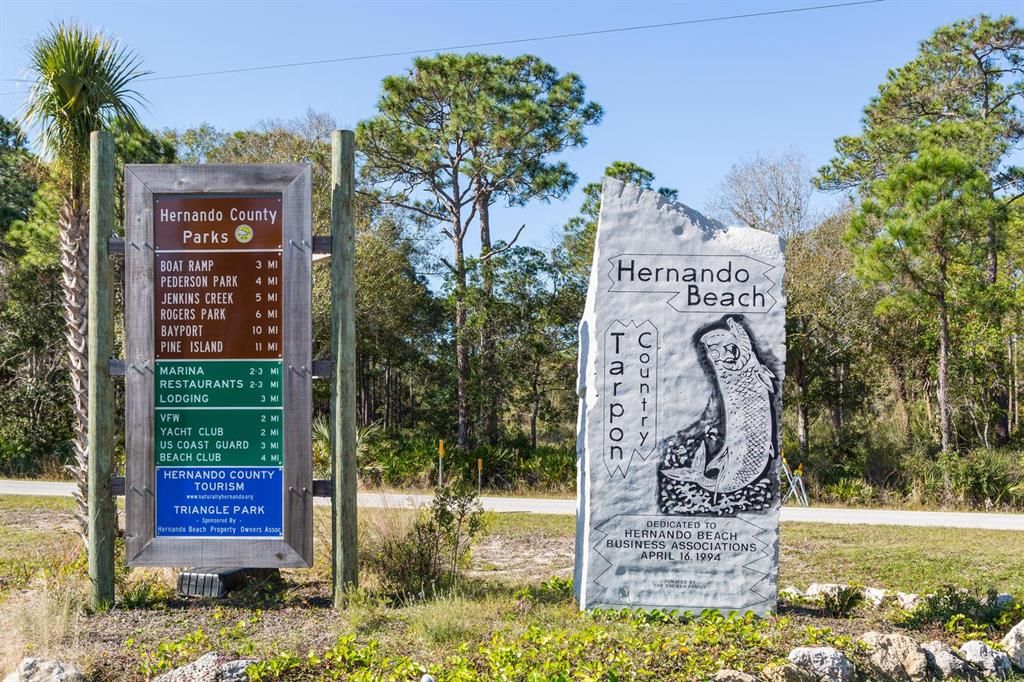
column 945, row 664
column 787, row 672
column 826, row 662
column 733, row 676
column 992, row 662
column 1014, row 645
column 39, row 670
column 210, row 667
column 896, row 657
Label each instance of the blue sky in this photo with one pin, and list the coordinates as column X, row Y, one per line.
column 686, row 102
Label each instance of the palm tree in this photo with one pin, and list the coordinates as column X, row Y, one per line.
column 81, row 84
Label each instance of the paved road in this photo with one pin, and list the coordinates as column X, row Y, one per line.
column 555, row 506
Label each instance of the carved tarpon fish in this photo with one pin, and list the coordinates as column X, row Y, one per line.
column 745, row 387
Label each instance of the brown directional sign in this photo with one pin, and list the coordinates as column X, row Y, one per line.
column 216, row 223
column 218, row 305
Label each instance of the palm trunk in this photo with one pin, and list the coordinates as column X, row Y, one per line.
column 74, row 262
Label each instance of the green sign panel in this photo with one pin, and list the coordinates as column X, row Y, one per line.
column 219, row 383
column 219, row 437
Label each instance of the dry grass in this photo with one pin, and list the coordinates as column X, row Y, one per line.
column 45, row 619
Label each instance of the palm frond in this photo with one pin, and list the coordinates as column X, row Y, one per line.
column 82, row 83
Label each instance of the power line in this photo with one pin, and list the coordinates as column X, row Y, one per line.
column 512, row 41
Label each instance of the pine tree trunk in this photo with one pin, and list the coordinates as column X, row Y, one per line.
column 1000, row 394
column 945, row 428
column 487, row 361
column 801, row 429
column 800, row 377
column 901, row 395
column 461, row 346
column 74, row 260
column 535, row 413
column 1013, row 409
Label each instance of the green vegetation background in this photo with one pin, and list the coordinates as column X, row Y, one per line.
column 906, row 306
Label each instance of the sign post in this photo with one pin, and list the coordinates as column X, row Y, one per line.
column 345, row 562
column 218, row 367
column 100, row 444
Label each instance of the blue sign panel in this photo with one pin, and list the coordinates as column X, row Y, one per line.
column 219, row 502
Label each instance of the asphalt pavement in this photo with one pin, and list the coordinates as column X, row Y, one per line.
column 540, row 505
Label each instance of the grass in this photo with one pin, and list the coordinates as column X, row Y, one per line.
column 36, row 533
column 902, row 558
column 508, row 610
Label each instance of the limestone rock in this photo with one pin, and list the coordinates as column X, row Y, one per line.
column 826, row 662
column 896, row 657
column 991, row 662
column 907, row 601
column 945, row 664
column 787, row 672
column 825, row 589
column 733, row 676
column 1004, row 599
column 1013, row 642
column 210, row 667
column 41, row 670
column 791, row 592
column 234, row 671
column 874, row 596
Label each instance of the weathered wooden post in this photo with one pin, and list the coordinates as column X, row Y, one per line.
column 102, row 521
column 343, row 349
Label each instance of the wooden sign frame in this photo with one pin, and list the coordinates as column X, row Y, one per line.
column 142, row 184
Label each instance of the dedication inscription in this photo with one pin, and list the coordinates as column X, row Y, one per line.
column 682, row 346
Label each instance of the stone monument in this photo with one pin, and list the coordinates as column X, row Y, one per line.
column 682, row 351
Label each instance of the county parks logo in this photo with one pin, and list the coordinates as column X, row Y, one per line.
column 243, row 233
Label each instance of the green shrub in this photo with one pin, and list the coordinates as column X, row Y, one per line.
column 850, row 491
column 843, row 602
column 428, row 556
column 148, row 592
column 554, row 590
column 985, row 477
column 960, row 610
